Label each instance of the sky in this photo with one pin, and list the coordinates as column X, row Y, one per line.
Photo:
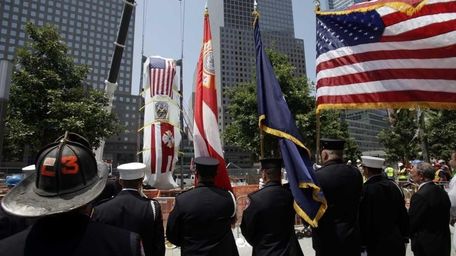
column 162, row 34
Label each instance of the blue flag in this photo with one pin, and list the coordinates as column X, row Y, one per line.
column 275, row 118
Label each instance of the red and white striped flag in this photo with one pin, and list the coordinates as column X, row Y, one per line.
column 206, row 135
column 162, row 72
column 387, row 54
column 162, row 145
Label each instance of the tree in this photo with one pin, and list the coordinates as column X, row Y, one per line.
column 48, row 96
column 401, row 139
column 243, row 130
column 441, row 130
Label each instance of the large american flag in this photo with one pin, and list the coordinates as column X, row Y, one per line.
column 387, row 54
column 162, row 72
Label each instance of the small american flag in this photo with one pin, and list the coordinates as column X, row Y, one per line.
column 162, row 72
column 382, row 54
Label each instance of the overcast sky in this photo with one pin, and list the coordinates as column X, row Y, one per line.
column 162, row 34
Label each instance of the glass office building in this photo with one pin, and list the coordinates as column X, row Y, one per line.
column 233, row 41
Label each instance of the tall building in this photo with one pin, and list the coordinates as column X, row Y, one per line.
column 339, row 4
column 89, row 29
column 233, row 43
column 363, row 125
column 234, row 49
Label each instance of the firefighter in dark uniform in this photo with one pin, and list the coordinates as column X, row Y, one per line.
column 268, row 220
column 67, row 179
column 338, row 229
column 383, row 216
column 132, row 211
column 200, row 222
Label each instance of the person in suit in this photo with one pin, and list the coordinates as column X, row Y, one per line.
column 429, row 214
column 383, row 217
column 338, row 229
column 67, row 179
column 200, row 222
column 132, row 211
column 268, row 221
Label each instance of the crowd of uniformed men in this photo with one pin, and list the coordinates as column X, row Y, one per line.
column 360, row 219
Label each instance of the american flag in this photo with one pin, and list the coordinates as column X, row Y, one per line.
column 387, row 54
column 162, row 72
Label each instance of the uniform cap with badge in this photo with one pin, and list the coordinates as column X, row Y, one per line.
column 131, row 171
column 332, row 144
column 372, row 162
column 206, row 166
column 67, row 177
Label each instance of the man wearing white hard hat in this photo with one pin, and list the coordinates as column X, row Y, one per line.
column 132, row 211
column 383, row 216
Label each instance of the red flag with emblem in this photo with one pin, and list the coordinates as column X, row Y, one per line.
column 162, row 148
column 206, row 135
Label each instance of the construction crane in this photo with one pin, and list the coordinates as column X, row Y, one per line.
column 111, row 82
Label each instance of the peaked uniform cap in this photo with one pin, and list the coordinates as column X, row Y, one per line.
column 372, row 162
column 206, row 164
column 67, row 177
column 271, row 163
column 131, row 171
column 332, row 144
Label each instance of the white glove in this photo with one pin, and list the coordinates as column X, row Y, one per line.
column 261, row 183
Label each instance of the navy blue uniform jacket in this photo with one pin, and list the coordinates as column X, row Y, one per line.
column 338, row 229
column 71, row 234
column 200, row 222
column 268, row 222
column 130, row 211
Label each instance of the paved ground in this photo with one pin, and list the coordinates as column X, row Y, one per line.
column 246, row 250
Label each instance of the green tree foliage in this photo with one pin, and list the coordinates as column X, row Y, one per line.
column 441, row 130
column 48, row 96
column 243, row 130
column 401, row 140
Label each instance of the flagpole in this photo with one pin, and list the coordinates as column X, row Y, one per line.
column 181, row 90
column 255, row 15
column 318, row 125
